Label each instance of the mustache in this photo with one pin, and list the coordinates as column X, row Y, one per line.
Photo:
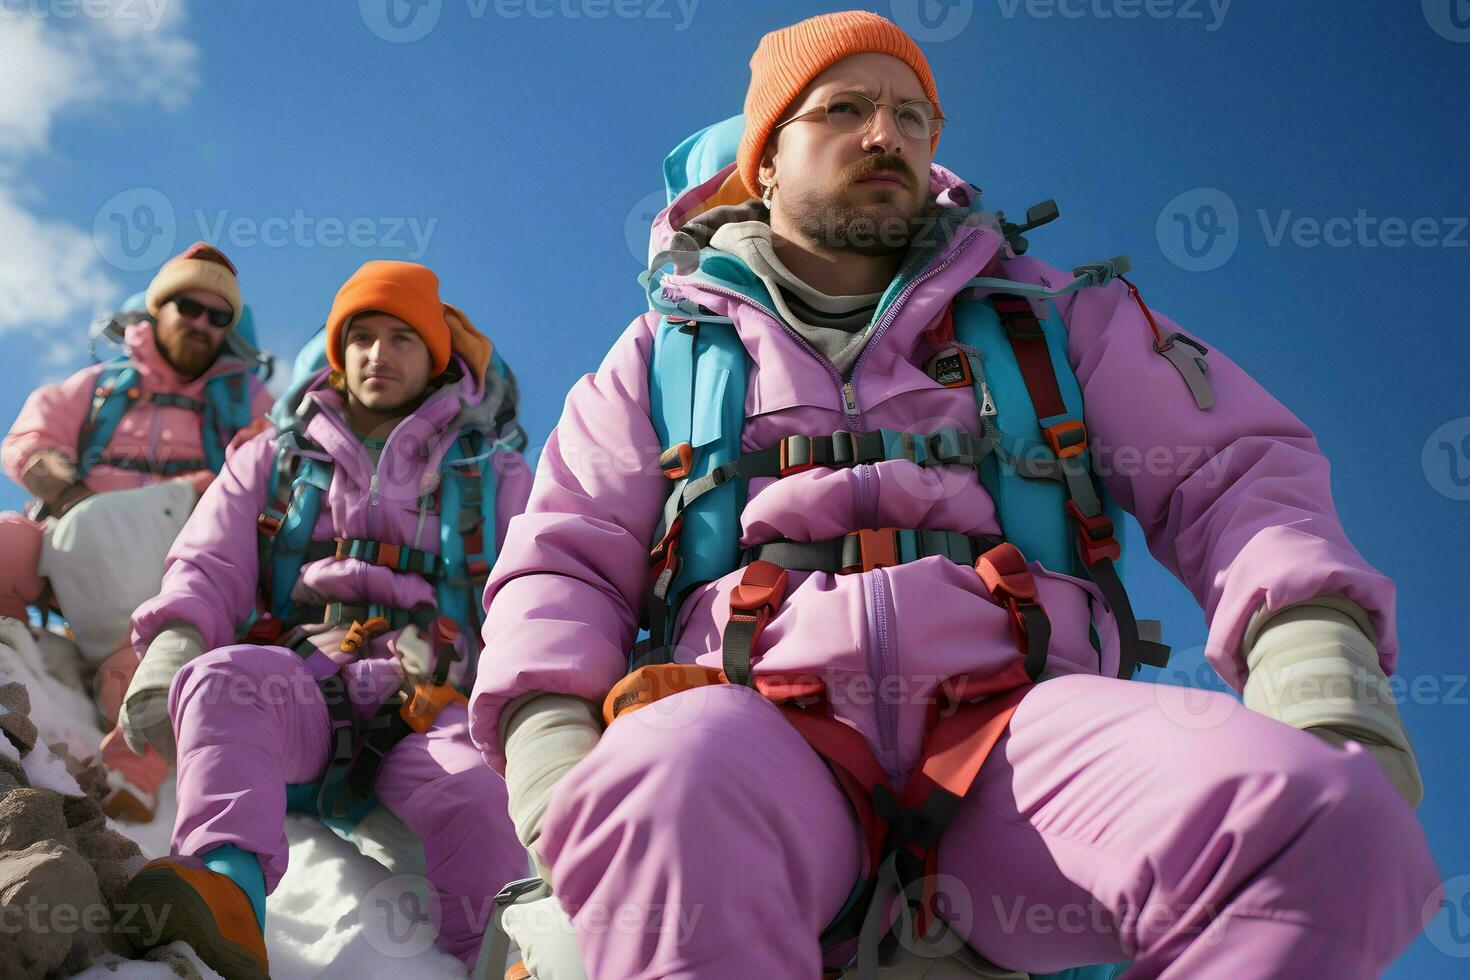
column 885, row 163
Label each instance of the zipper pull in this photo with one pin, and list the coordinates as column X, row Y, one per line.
column 373, row 490
column 849, row 399
column 987, row 403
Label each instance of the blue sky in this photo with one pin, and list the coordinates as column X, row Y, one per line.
column 1288, row 179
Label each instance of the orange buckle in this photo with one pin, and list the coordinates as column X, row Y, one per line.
column 677, row 461
column 1066, row 438
column 796, row 455
column 427, row 701
column 269, row 524
column 655, row 682
column 878, row 548
column 1094, row 535
column 388, row 554
column 359, row 633
column 760, row 591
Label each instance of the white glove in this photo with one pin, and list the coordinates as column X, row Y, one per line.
column 144, row 716
column 545, row 735
column 1314, row 666
column 547, row 939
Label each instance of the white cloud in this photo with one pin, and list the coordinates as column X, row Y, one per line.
column 60, row 60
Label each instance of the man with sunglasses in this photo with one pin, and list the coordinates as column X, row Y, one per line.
column 167, row 411
column 988, row 755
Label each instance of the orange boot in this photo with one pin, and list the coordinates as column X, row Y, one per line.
column 178, row 898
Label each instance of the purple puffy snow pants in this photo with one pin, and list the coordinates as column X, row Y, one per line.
column 250, row 719
column 1115, row 820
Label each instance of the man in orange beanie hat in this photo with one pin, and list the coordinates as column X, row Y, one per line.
column 892, row 653
column 164, row 412
column 387, row 489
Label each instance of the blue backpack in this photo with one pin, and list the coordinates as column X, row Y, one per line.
column 1032, row 458
column 1034, row 463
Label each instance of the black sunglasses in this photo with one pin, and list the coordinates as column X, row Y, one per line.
column 189, row 309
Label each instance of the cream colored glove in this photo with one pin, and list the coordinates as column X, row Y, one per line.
column 544, row 736
column 547, row 939
column 1314, row 666
column 144, row 716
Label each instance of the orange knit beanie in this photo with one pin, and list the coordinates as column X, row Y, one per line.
column 786, row 61
column 408, row 291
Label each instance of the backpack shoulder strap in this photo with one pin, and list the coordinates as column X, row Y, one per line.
column 116, row 392
column 226, row 412
column 1040, row 476
column 697, row 382
column 297, row 483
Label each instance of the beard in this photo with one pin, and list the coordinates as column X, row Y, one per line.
column 831, row 219
column 188, row 358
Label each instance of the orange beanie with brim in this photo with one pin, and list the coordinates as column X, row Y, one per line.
column 406, row 290
column 786, row 61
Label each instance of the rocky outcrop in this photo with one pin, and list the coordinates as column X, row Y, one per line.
column 62, row 868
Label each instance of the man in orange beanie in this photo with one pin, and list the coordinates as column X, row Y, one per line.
column 859, row 582
column 356, row 592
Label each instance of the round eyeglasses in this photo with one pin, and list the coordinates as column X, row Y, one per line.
column 850, row 112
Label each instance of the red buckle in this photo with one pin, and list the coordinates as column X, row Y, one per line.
column 789, row 468
column 1066, row 438
column 878, row 548
column 269, row 524
column 665, row 554
column 1010, row 583
column 1094, row 535
column 388, row 555
column 446, row 630
column 265, row 631
column 677, row 461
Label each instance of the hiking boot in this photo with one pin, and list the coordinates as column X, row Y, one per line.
column 178, row 898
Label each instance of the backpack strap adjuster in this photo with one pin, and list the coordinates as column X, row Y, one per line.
column 270, row 523
column 1066, row 438
column 677, row 461
column 1094, row 535
column 796, row 456
column 1008, row 579
column 875, row 549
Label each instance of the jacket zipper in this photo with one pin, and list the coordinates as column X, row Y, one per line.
column 852, row 415
column 881, row 666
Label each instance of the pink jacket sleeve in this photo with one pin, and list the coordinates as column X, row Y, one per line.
column 50, row 419
column 512, row 491
column 1235, row 500
column 564, row 600
column 211, row 575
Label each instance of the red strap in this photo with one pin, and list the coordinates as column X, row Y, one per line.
column 1032, row 356
column 852, row 761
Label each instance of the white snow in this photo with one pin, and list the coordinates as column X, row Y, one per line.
column 335, row 913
